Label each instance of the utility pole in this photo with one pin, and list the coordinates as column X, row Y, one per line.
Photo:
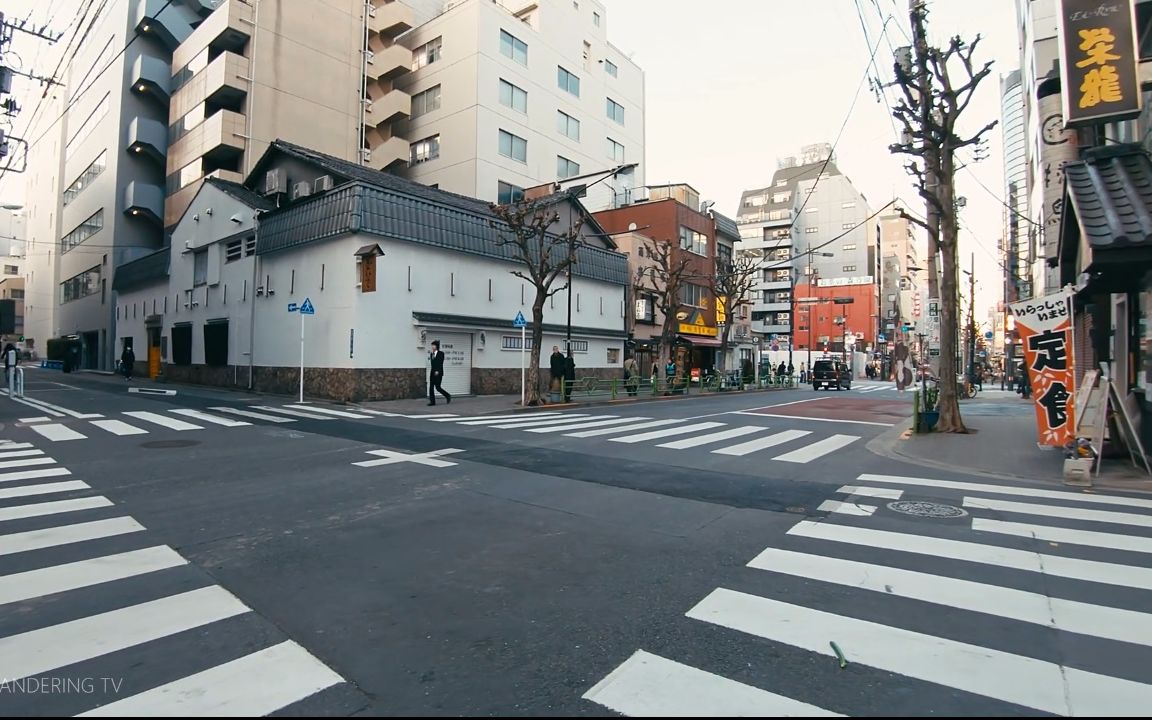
column 931, row 164
column 972, row 318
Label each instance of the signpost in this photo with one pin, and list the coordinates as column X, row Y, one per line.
column 304, row 309
column 520, row 322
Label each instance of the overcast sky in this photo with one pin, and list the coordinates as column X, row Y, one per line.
column 734, row 84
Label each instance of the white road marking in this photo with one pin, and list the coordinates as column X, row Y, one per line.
column 253, row 415
column 546, row 422
column 42, row 418
column 444, row 417
column 9, row 445
column 294, row 413
column 33, row 474
column 1060, row 511
column 26, row 462
column 42, row 489
column 528, row 418
column 329, row 411
column 667, row 432
column 984, row 671
column 20, row 453
column 1035, row 608
column 57, row 432
column 56, row 646
column 119, row 427
column 582, row 424
column 24, row 401
column 811, row 419
column 53, row 409
column 761, row 443
column 712, row 437
column 391, row 457
column 1026, row 560
column 1093, row 538
column 51, row 508
column 887, row 493
column 846, row 508
column 162, row 420
column 205, row 417
column 647, row 685
column 622, row 428
column 85, row 573
column 152, row 391
column 13, row 543
column 820, row 448
column 1011, row 490
column 252, row 686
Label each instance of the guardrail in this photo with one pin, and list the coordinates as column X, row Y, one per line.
column 589, row 388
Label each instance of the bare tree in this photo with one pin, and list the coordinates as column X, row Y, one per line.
column 664, row 277
column 930, row 106
column 539, row 241
column 731, row 286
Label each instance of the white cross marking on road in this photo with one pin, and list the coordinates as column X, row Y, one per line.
column 391, row 457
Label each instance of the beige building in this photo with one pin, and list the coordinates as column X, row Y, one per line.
column 257, row 70
column 12, row 288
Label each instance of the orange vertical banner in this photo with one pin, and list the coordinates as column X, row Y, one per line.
column 1045, row 327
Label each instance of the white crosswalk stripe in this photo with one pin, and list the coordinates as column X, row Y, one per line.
column 751, row 446
column 971, row 578
column 709, row 438
column 808, row 453
column 581, row 425
column 163, row 420
column 258, row 674
column 294, row 413
column 254, row 415
column 666, row 432
column 57, row 432
column 119, row 427
column 208, row 418
column 327, row 411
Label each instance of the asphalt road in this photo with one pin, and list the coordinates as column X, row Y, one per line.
column 216, row 552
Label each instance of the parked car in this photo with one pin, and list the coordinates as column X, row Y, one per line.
column 831, row 374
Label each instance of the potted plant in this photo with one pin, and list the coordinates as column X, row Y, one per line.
column 931, row 415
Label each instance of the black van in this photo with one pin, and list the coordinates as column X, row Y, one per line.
column 831, row 374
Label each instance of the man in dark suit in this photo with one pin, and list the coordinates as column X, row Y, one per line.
column 437, row 375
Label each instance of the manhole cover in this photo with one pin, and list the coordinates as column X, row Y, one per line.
column 926, row 509
column 169, row 444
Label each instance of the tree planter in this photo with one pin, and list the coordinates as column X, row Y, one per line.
column 928, row 420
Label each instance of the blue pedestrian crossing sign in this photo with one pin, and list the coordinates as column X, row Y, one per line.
column 519, row 322
column 307, row 308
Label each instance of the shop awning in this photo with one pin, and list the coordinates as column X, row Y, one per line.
column 701, row 341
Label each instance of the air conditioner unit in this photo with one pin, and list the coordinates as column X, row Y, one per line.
column 322, row 183
column 275, row 181
column 301, row 189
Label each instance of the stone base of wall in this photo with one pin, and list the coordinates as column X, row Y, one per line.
column 355, row 384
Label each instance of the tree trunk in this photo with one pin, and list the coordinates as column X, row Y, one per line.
column 724, row 348
column 532, row 391
column 949, row 401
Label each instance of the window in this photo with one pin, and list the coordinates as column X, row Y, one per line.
column 189, row 120
column 424, row 150
column 615, row 150
column 847, row 226
column 781, row 197
column 615, row 111
column 693, row 295
column 781, row 183
column 86, row 127
column 17, row 294
column 611, row 69
column 513, row 47
column 811, row 230
column 427, row 53
column 849, row 268
column 512, row 342
column 83, row 231
column 849, row 246
column 812, row 210
column 645, row 310
column 565, row 168
column 200, row 268
column 567, row 81
column 426, row 102
column 507, row 193
column 233, row 251
column 693, row 241
column 513, row 97
column 90, row 173
column 596, row 19
column 82, row 285
column 513, row 146
column 780, row 215
column 850, row 204
column 567, row 125
column 11, row 270
column 249, row 245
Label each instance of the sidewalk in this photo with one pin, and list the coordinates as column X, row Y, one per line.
column 1001, row 443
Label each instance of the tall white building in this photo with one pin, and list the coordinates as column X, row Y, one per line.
column 1018, row 244
column 509, row 95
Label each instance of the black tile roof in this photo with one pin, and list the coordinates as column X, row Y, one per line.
column 242, row 193
column 148, row 269
column 553, row 328
column 1110, row 190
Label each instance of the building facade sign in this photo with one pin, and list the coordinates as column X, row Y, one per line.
column 1098, row 58
column 1057, row 148
column 838, row 281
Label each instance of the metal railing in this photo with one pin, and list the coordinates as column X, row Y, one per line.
column 588, row 388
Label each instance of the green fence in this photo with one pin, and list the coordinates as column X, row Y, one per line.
column 590, row 388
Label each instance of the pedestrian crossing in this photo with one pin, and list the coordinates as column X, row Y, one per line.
column 995, row 606
column 716, row 437
column 82, row 587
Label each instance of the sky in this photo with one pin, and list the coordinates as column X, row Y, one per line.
column 732, row 85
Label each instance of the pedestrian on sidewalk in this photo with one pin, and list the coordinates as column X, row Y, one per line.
column 556, row 369
column 569, row 375
column 803, row 373
column 631, row 376
column 127, row 362
column 11, row 360
column 436, row 359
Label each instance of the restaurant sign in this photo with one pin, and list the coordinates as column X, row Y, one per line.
column 1098, row 59
column 1045, row 328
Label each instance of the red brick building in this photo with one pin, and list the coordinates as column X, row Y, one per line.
column 860, row 316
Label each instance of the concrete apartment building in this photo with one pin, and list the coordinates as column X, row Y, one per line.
column 509, row 95
column 900, row 276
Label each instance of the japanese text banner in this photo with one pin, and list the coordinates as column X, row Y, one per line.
column 1045, row 327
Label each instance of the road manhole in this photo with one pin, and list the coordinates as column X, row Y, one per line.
column 169, row 444
column 920, row 508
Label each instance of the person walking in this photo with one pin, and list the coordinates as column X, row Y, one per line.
column 556, row 369
column 631, row 376
column 436, row 358
column 10, row 362
column 569, row 375
column 127, row 362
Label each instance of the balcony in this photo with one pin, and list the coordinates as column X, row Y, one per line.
column 774, row 285
column 390, row 19
column 228, row 28
column 163, row 20
column 765, row 327
column 149, row 138
column 151, row 76
column 143, row 199
column 396, row 105
column 772, row 306
column 224, row 83
column 390, row 154
column 389, row 63
column 219, row 139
